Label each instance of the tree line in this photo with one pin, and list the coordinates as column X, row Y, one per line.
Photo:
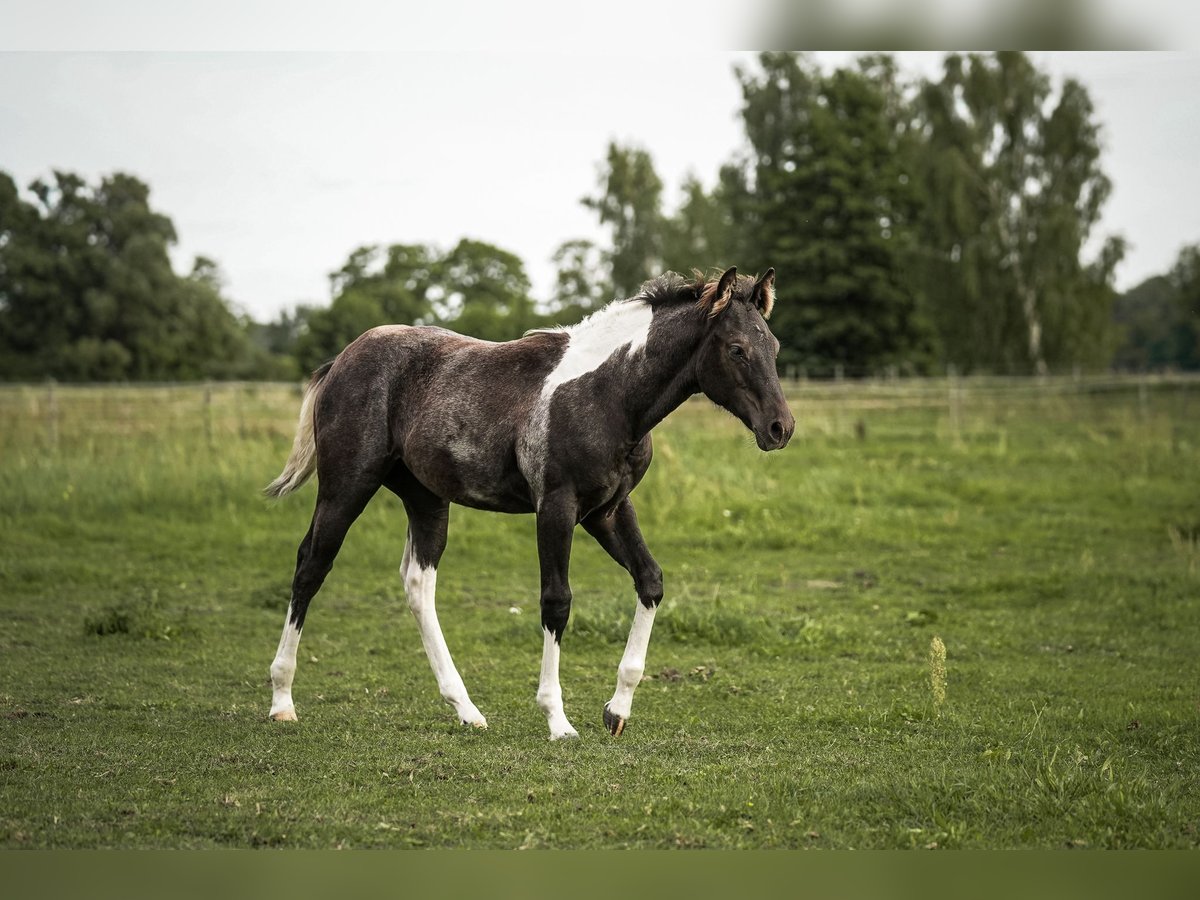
column 916, row 224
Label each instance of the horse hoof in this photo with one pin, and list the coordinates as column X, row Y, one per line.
column 284, row 715
column 571, row 735
column 481, row 724
column 614, row 723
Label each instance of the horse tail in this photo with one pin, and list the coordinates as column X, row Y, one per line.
column 303, row 459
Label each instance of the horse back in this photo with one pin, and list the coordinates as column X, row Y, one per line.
column 449, row 408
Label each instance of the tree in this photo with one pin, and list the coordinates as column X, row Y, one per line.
column 397, row 280
column 1185, row 279
column 375, row 286
column 629, row 203
column 1159, row 320
column 484, row 292
column 1011, row 171
column 474, row 288
column 275, row 343
column 1147, row 317
column 327, row 330
column 581, row 285
column 700, row 234
column 207, row 340
column 830, row 207
column 87, row 290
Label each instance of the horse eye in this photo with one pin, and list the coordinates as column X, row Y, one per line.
column 736, row 351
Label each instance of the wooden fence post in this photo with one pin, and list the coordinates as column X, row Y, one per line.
column 51, row 414
column 955, row 402
column 208, row 413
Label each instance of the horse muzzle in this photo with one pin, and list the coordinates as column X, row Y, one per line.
column 776, row 433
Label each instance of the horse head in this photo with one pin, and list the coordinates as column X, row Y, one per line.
column 736, row 361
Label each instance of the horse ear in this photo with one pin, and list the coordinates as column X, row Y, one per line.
column 763, row 294
column 717, row 294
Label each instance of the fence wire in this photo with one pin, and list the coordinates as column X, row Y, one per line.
column 52, row 416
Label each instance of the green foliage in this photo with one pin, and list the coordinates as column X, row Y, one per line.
column 702, row 233
column 474, row 288
column 484, row 293
column 1148, row 318
column 1046, row 533
column 833, row 206
column 1159, row 319
column 912, row 224
column 327, row 330
column 823, row 196
column 1185, row 279
column 629, row 203
column 87, row 291
column 1013, row 189
column 581, row 285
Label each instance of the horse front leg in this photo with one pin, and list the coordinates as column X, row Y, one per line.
column 555, row 525
column 621, row 537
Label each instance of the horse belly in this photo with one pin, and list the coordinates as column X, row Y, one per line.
column 467, row 471
column 487, row 481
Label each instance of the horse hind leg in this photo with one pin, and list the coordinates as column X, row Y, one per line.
column 283, row 670
column 337, row 508
column 418, row 569
column 283, row 667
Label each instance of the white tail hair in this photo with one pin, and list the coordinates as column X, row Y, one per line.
column 302, row 461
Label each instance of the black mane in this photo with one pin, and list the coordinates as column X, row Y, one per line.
column 671, row 288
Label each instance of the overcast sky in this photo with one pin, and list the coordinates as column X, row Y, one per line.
column 278, row 165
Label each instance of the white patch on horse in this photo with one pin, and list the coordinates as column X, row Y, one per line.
column 420, row 585
column 549, row 695
column 633, row 662
column 623, row 324
column 283, row 670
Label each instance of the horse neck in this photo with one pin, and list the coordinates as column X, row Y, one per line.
column 667, row 376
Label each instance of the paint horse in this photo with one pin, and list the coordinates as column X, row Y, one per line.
column 556, row 423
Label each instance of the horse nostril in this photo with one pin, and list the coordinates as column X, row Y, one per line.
column 776, row 431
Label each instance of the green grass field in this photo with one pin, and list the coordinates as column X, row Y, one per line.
column 1048, row 534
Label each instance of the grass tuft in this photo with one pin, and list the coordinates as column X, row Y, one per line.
column 111, row 620
column 141, row 617
column 1185, row 541
column 937, row 671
